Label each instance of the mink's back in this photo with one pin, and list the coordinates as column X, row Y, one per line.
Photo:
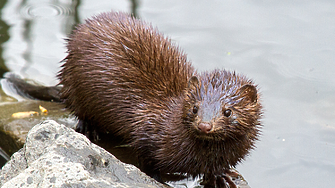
column 119, row 67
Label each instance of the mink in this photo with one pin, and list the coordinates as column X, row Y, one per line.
column 122, row 76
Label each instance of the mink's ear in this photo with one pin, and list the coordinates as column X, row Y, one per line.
column 193, row 82
column 248, row 93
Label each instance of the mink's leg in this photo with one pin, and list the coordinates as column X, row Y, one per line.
column 80, row 127
column 220, row 181
column 86, row 128
column 209, row 181
column 148, row 167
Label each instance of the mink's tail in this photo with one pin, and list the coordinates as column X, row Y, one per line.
column 14, row 86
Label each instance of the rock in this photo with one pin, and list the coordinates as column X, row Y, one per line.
column 57, row 156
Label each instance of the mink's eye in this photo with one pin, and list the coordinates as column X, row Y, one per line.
column 195, row 110
column 227, row 113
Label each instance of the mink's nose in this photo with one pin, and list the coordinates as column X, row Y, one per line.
column 205, row 127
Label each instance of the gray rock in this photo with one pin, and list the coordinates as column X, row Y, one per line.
column 57, row 156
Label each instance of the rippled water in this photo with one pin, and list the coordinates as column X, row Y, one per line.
column 287, row 47
column 44, row 10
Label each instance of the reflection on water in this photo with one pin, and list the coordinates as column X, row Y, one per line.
column 38, row 29
column 3, row 38
column 31, row 13
column 33, row 28
column 134, row 7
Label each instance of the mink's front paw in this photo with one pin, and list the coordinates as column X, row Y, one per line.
column 220, row 181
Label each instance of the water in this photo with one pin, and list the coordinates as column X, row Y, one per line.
column 3, row 157
column 287, row 47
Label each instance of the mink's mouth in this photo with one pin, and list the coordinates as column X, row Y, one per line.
column 214, row 132
column 213, row 136
column 203, row 134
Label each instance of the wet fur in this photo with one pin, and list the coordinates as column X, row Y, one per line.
column 122, row 76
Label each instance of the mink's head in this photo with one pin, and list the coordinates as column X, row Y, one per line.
column 222, row 106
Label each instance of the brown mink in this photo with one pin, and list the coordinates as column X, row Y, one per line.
column 122, row 76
